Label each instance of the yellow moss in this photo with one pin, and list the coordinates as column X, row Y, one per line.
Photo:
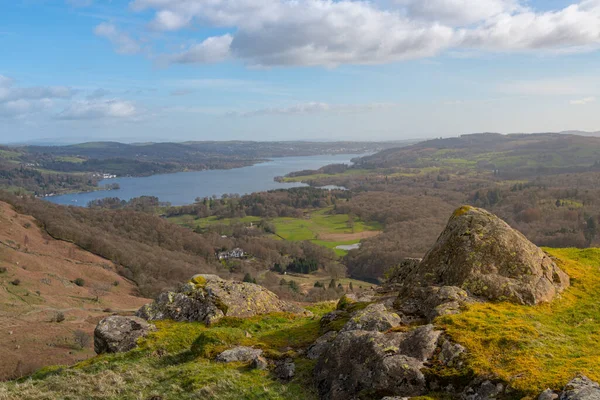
column 535, row 347
column 199, row 281
column 461, row 211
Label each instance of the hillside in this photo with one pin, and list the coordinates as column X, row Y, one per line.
column 38, row 279
column 422, row 338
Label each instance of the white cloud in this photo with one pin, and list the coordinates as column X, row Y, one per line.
column 9, row 91
column 315, row 108
column 458, row 12
column 99, row 110
column 212, row 50
column 584, row 101
column 329, row 33
column 123, row 43
column 17, row 101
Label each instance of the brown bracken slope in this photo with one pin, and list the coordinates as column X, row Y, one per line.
column 37, row 284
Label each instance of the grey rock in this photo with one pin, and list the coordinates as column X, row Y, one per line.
column 285, row 370
column 374, row 317
column 332, row 317
column 259, row 362
column 320, row 345
column 374, row 361
column 117, row 334
column 483, row 255
column 239, row 354
column 548, row 394
column 581, row 388
column 208, row 298
column 420, row 343
column 430, row 302
column 485, row 390
column 451, row 354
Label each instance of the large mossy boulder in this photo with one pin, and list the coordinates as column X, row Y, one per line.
column 208, row 298
column 483, row 255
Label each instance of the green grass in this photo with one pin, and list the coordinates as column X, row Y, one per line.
column 539, row 346
column 316, row 228
column 74, row 160
column 175, row 362
column 306, row 178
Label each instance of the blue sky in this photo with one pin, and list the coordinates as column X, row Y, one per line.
column 138, row 70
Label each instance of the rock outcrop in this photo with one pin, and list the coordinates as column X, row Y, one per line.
column 208, row 298
column 374, row 317
column 362, row 362
column 116, row 334
column 581, row 388
column 239, row 354
column 481, row 254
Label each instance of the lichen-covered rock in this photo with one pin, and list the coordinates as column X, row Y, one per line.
column 547, row 394
column 581, row 388
column 451, row 354
column 285, row 369
column 430, row 302
column 320, row 345
column 486, row 390
column 239, row 354
column 374, row 317
column 481, row 254
column 208, row 298
column 116, row 334
column 374, row 362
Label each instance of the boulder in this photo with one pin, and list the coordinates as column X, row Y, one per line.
column 430, row 302
column 208, row 298
column 547, row 394
column 285, row 370
column 239, row 354
column 485, row 390
column 259, row 362
column 581, row 388
column 374, row 317
column 483, row 255
column 359, row 362
column 320, row 345
column 116, row 334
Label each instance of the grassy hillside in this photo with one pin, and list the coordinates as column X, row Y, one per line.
column 41, row 278
column 174, row 363
column 543, row 346
column 537, row 347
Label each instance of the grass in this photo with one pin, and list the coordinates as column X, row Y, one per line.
column 316, row 228
column 176, row 362
column 538, row 346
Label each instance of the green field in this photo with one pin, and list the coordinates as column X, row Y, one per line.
column 321, row 227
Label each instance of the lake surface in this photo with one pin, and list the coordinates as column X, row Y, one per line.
column 183, row 187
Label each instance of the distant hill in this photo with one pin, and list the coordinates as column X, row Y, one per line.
column 42, row 279
column 515, row 153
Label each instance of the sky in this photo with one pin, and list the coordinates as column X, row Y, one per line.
column 176, row 70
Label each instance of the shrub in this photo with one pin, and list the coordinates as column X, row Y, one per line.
column 3, row 270
column 16, row 282
column 79, row 282
column 116, row 283
column 59, row 316
column 81, row 339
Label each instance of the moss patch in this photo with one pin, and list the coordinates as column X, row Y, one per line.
column 538, row 346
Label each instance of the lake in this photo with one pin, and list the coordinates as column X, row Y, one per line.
column 183, row 187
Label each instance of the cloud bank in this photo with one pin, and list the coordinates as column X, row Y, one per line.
column 328, row 33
